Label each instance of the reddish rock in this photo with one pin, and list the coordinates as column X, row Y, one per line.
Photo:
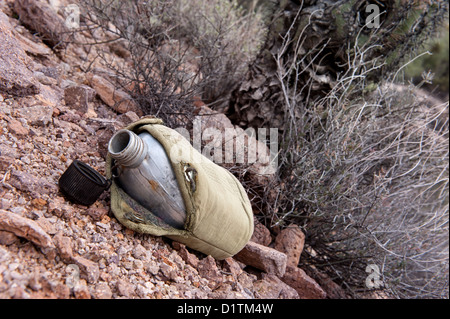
column 9, row 151
column 255, row 153
column 207, row 268
column 39, row 115
column 246, row 280
column 333, row 290
column 128, row 117
column 238, row 144
column 78, row 97
column 291, row 241
column 40, row 18
column 89, row 269
column 169, row 272
column 25, row 228
column 97, row 213
column 5, row 162
column 103, row 137
column 15, row 127
column 64, row 246
column 230, row 265
column 261, row 235
column 55, row 208
column 118, row 100
column 271, row 287
column 7, row 238
column 81, row 291
column 61, row 291
column 16, row 79
column 28, row 182
column 124, row 288
column 188, row 258
column 306, row 287
column 264, row 258
column 46, row 225
column 210, row 119
column 102, row 291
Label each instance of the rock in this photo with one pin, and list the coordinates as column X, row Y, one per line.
column 46, row 225
column 210, row 119
column 5, row 162
column 271, row 287
column 64, row 246
column 264, row 258
column 124, row 288
column 226, row 292
column 29, row 183
column 25, row 228
column 230, row 265
column 7, row 238
column 81, row 291
column 118, row 100
column 152, row 268
column 16, row 79
column 9, row 151
column 246, row 280
column 67, row 83
column 34, row 48
column 291, row 241
column 97, row 213
column 50, row 96
column 306, row 287
column 102, row 291
column 128, row 117
column 188, row 258
column 89, row 269
column 36, row 115
column 61, row 291
column 207, row 268
column 168, row 272
column 103, row 137
column 51, row 72
column 54, row 207
column 90, row 114
column 15, row 127
column 261, row 235
column 42, row 78
column 38, row 203
column 39, row 17
column 139, row 252
column 332, row 289
column 242, row 143
column 78, row 97
column 5, row 204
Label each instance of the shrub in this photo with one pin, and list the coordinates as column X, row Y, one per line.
column 177, row 50
column 228, row 39
column 364, row 170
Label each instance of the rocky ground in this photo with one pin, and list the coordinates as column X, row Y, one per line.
column 53, row 112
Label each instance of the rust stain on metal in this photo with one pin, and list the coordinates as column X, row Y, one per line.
column 153, row 184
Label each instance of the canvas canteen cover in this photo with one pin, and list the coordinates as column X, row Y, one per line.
column 219, row 217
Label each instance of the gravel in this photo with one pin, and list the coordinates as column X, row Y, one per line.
column 52, row 248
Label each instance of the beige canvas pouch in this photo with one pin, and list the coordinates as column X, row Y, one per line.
column 219, row 218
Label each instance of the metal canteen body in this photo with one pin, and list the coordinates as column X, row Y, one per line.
column 144, row 172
